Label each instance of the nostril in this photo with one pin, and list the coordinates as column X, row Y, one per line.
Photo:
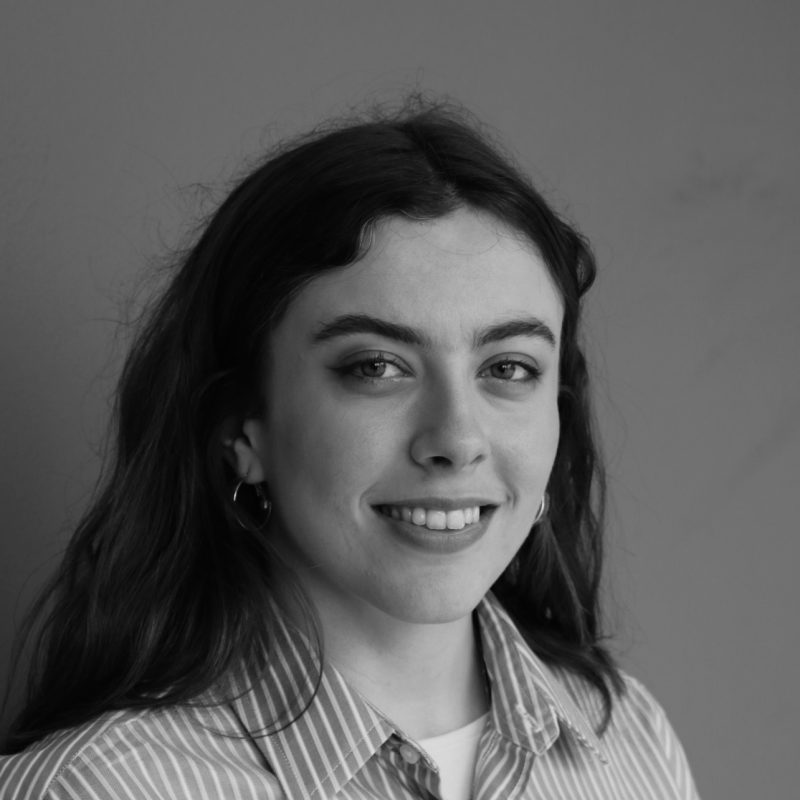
column 449, row 446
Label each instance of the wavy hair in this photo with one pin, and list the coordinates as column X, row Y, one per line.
column 160, row 542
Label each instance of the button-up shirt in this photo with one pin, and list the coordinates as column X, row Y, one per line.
column 539, row 741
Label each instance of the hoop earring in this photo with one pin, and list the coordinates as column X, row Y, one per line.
column 541, row 513
column 264, row 504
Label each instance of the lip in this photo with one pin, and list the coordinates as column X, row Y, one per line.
column 438, row 541
column 439, row 503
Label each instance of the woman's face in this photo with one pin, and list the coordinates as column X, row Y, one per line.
column 412, row 418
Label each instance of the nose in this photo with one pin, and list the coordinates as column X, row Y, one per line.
column 450, row 433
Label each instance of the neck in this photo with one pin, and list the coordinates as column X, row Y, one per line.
column 428, row 679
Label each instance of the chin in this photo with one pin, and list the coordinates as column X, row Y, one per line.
column 438, row 607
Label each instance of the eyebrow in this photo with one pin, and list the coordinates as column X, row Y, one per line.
column 528, row 326
column 349, row 324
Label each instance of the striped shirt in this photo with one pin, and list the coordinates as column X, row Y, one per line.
column 539, row 741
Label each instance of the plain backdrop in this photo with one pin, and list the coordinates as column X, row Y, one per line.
column 668, row 131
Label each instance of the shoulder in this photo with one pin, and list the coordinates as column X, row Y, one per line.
column 635, row 710
column 133, row 755
column 639, row 713
column 31, row 774
column 639, row 718
column 639, row 732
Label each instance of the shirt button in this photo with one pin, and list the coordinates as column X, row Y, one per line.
column 409, row 753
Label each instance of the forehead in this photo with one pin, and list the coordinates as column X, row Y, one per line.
column 446, row 276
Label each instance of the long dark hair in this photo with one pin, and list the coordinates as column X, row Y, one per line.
column 161, row 588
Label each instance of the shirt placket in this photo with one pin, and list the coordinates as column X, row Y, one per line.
column 409, row 765
column 503, row 769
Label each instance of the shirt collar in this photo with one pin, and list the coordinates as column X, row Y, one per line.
column 530, row 703
column 316, row 751
column 315, row 755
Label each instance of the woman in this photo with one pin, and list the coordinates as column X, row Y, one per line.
column 350, row 541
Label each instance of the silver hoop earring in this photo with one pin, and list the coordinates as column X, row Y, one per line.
column 540, row 514
column 263, row 504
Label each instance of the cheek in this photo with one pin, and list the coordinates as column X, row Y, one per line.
column 533, row 440
column 319, row 452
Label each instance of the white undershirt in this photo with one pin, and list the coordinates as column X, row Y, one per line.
column 456, row 754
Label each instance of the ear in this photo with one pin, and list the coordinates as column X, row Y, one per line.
column 243, row 452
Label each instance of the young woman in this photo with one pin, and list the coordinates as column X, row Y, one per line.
column 349, row 544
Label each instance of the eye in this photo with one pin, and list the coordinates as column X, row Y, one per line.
column 374, row 367
column 512, row 371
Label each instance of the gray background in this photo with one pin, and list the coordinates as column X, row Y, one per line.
column 668, row 131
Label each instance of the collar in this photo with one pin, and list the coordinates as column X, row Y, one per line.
column 315, row 753
column 530, row 702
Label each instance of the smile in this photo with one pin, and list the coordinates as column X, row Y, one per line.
column 434, row 519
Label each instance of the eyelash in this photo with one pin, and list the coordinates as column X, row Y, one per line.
column 350, row 369
column 533, row 372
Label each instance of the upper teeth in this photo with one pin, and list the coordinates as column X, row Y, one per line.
column 434, row 518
